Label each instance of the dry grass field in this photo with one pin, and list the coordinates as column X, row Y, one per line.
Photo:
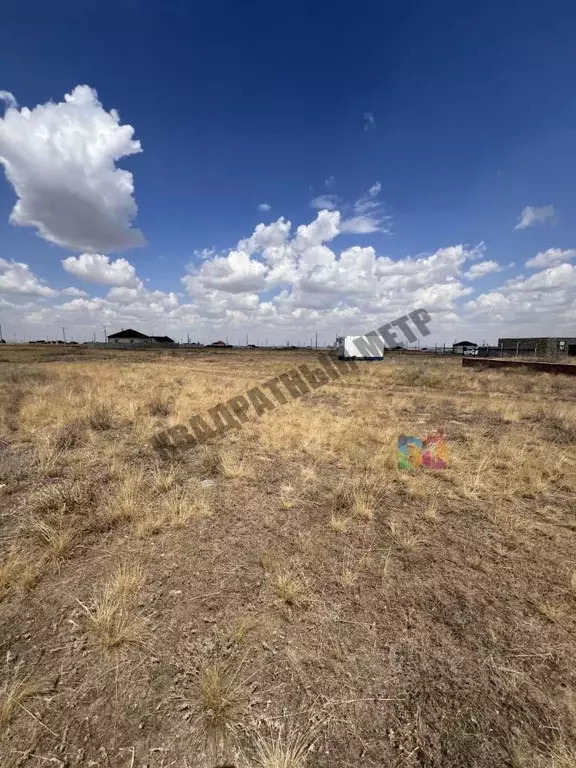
column 284, row 597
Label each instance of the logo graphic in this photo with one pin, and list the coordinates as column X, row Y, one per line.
column 430, row 452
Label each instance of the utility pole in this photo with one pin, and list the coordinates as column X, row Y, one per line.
column 105, row 334
column 64, row 334
column 246, row 339
column 266, row 340
column 316, row 339
column 1, row 339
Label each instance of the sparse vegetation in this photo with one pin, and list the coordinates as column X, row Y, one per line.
column 15, row 691
column 284, row 749
column 113, row 618
column 222, row 699
column 284, row 596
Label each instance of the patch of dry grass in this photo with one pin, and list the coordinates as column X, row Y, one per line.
column 113, row 620
column 57, row 537
column 288, row 747
column 552, row 611
column 15, row 692
column 222, row 699
column 174, row 509
column 289, row 587
column 363, row 504
column 339, row 524
column 18, row 571
column 233, row 466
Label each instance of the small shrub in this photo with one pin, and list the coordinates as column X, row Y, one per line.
column 100, row 417
column 159, row 407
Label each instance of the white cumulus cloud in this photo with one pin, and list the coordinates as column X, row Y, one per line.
column 482, row 268
column 530, row 216
column 551, row 258
column 98, row 268
column 235, row 273
column 17, row 278
column 74, row 292
column 8, row 99
column 61, row 160
column 264, row 206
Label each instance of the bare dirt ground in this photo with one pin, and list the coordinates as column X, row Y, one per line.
column 284, row 596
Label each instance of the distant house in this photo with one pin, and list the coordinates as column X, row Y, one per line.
column 219, row 344
column 130, row 336
column 163, row 339
column 464, row 348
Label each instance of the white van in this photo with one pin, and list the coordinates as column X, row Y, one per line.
column 369, row 347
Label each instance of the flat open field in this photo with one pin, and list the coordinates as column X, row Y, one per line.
column 283, row 596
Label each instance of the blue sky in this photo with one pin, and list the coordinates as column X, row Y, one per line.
column 461, row 116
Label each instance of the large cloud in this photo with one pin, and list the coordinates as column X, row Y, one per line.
column 98, row 268
column 540, row 305
column 284, row 283
column 550, row 258
column 16, row 278
column 352, row 288
column 61, row 160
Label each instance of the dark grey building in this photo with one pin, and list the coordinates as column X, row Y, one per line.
column 464, row 348
column 541, row 346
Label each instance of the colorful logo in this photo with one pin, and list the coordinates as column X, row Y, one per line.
column 430, row 452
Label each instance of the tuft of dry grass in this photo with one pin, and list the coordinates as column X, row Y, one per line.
column 289, row 588
column 339, row 524
column 234, row 467
column 559, row 756
column 222, row 701
column 287, row 496
column 553, row 612
column 56, row 537
column 348, row 577
column 158, row 406
column 286, row 748
column 48, row 454
column 14, row 693
column 100, row 417
column 177, row 507
column 113, row 620
column 402, row 538
column 430, row 513
column 17, row 570
column 363, row 504
column 241, row 628
column 128, row 500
